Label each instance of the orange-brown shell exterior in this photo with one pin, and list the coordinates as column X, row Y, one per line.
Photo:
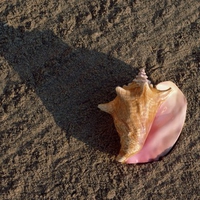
column 133, row 111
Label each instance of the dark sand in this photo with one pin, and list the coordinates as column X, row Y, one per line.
column 58, row 60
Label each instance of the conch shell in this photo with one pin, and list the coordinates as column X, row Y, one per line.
column 148, row 119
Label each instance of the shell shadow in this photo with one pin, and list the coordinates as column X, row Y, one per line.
column 70, row 82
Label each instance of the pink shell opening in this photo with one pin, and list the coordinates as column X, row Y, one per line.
column 166, row 127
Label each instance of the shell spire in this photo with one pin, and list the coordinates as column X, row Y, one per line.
column 142, row 77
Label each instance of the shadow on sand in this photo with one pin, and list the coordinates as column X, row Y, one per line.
column 70, row 82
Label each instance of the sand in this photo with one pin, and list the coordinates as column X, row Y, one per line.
column 58, row 60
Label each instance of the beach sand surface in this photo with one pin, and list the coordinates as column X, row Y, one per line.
column 58, row 60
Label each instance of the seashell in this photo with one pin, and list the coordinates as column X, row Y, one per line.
column 148, row 119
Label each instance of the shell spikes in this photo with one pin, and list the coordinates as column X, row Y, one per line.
column 137, row 111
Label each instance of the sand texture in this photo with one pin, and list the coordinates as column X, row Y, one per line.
column 58, row 60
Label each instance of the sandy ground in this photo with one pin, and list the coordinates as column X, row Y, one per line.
column 58, row 60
